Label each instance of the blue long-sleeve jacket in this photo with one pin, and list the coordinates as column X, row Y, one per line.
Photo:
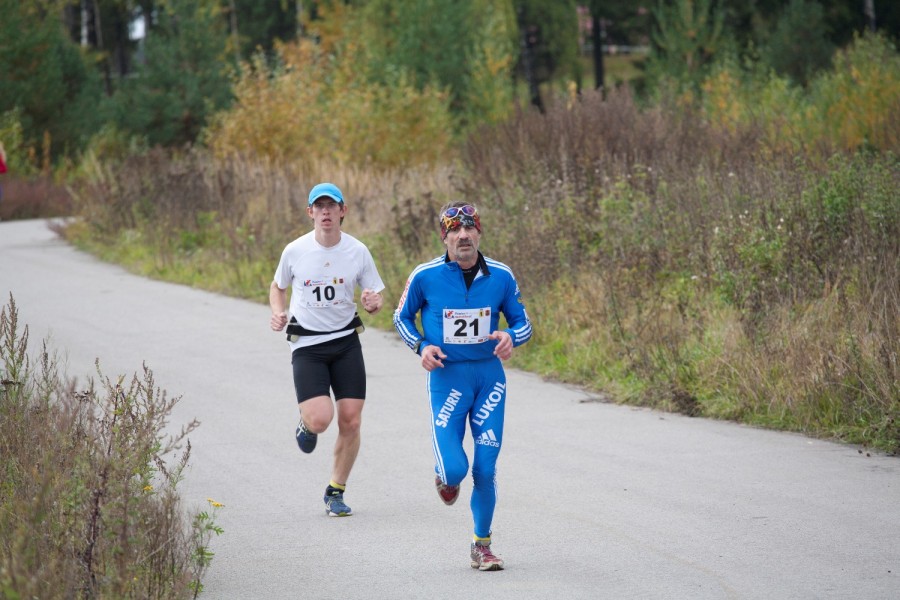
column 455, row 318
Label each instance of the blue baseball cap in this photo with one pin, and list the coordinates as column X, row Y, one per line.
column 326, row 190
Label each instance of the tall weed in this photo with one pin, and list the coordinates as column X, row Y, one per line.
column 88, row 502
column 221, row 224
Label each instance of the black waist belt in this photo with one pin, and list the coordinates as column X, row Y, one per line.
column 295, row 329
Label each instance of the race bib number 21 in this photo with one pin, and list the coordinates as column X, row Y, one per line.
column 467, row 326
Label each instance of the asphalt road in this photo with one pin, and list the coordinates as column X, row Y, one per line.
column 596, row 500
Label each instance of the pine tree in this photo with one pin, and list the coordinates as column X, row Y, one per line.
column 184, row 78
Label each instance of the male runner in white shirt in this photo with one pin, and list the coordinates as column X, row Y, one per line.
column 323, row 268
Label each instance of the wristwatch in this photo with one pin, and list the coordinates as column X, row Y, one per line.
column 418, row 345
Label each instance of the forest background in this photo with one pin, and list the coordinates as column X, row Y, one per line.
column 699, row 199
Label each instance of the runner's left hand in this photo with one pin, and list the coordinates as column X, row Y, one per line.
column 371, row 301
column 504, row 348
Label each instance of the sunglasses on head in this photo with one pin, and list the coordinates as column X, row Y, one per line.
column 459, row 216
column 455, row 211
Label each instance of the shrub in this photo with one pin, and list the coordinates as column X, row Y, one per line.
column 312, row 107
column 857, row 104
column 88, row 501
column 680, row 257
column 683, row 255
column 854, row 106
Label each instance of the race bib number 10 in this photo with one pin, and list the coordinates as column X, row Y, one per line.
column 467, row 326
column 322, row 293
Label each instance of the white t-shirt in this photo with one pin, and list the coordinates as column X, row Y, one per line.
column 324, row 282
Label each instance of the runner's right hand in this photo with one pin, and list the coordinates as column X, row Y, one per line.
column 431, row 358
column 278, row 321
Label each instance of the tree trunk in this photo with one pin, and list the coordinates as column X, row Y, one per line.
column 98, row 29
column 70, row 20
column 235, row 41
column 529, row 33
column 597, row 41
column 869, row 9
column 121, row 54
column 85, row 24
column 98, row 36
column 299, row 20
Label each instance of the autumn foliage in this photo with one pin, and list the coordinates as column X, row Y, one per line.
column 313, row 106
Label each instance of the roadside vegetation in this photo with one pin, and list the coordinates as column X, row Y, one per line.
column 730, row 251
column 89, row 506
column 714, row 231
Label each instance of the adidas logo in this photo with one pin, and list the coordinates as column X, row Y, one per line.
column 488, row 439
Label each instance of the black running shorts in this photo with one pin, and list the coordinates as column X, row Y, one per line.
column 335, row 365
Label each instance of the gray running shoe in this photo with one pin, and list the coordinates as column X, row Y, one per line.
column 483, row 559
column 306, row 439
column 335, row 507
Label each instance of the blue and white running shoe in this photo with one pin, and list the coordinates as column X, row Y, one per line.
column 306, row 439
column 335, row 507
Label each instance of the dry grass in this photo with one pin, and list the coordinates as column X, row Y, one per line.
column 676, row 263
column 33, row 198
column 88, row 499
column 716, row 273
